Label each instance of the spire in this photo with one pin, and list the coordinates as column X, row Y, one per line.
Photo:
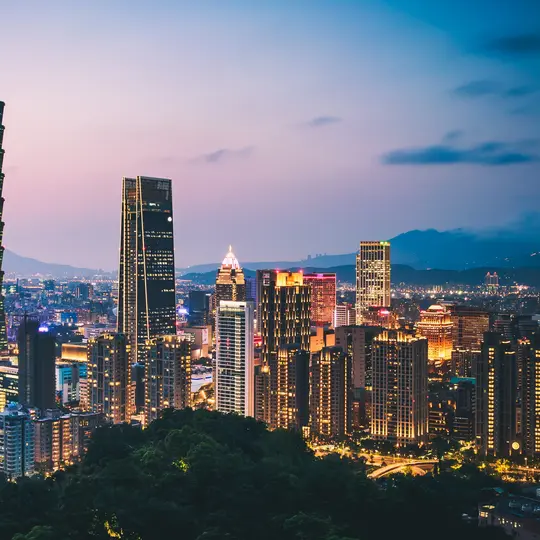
column 230, row 260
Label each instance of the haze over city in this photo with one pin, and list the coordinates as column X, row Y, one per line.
column 275, row 121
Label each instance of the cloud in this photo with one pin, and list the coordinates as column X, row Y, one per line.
column 519, row 91
column 516, row 45
column 482, row 88
column 224, row 154
column 478, row 88
column 453, row 136
column 490, row 153
column 321, row 121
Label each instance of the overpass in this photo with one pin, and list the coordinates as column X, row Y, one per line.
column 418, row 468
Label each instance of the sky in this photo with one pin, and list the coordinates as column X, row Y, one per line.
column 288, row 127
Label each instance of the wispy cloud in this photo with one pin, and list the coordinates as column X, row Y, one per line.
column 224, row 154
column 490, row 153
column 321, row 121
column 514, row 45
column 480, row 88
column 484, row 87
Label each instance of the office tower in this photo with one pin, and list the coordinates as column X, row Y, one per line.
column 436, row 326
column 283, row 319
column 344, row 315
column 465, row 409
column 529, row 353
column 492, row 282
column 292, row 388
column 463, row 361
column 230, row 281
column 199, row 308
column 108, row 376
column 372, row 277
column 323, row 297
column 146, row 289
column 357, row 343
column 3, row 330
column 9, row 385
column 251, row 289
column 468, row 327
column 382, row 317
column 399, row 399
column 330, row 396
column 496, row 383
column 16, row 442
column 36, row 365
column 167, row 375
column 235, row 375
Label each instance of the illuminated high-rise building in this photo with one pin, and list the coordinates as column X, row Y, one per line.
column 492, row 282
column 399, row 408
column 292, row 388
column 344, row 315
column 230, row 280
column 3, row 331
column 496, row 382
column 108, row 376
column 372, row 277
column 16, row 442
column 37, row 357
column 436, row 325
column 529, row 353
column 146, row 290
column 284, row 304
column 167, row 375
column 468, row 327
column 235, row 371
column 323, row 297
column 331, row 392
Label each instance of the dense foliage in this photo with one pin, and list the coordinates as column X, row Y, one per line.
column 201, row 475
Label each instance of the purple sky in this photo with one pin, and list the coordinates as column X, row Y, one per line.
column 288, row 128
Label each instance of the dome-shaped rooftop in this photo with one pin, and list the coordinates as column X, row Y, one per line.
column 230, row 260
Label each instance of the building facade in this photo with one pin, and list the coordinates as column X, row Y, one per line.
column 37, row 357
column 283, row 319
column 372, row 277
column 399, row 409
column 230, row 280
column 496, row 392
column 16, row 442
column 3, row 330
column 330, row 393
column 235, row 370
column 323, row 297
column 436, row 326
column 146, row 287
column 108, row 376
column 167, row 375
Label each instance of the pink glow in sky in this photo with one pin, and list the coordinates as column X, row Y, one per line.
column 270, row 118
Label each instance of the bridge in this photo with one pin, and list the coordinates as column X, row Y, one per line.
column 418, row 468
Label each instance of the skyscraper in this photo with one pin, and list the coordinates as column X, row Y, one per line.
column 36, row 366
column 283, row 320
column 146, row 288
column 372, row 277
column 3, row 332
column 167, row 375
column 399, row 402
column 16, row 442
column 323, row 297
column 468, row 327
column 230, row 280
column 330, row 395
column 496, row 382
column 108, row 376
column 436, row 326
column 235, row 375
column 529, row 353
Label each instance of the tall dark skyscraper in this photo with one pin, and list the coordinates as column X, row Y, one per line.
column 3, row 333
column 36, row 366
column 146, row 294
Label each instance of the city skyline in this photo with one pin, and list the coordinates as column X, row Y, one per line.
column 349, row 124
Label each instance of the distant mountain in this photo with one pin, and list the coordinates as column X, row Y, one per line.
column 403, row 274
column 25, row 267
column 453, row 250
